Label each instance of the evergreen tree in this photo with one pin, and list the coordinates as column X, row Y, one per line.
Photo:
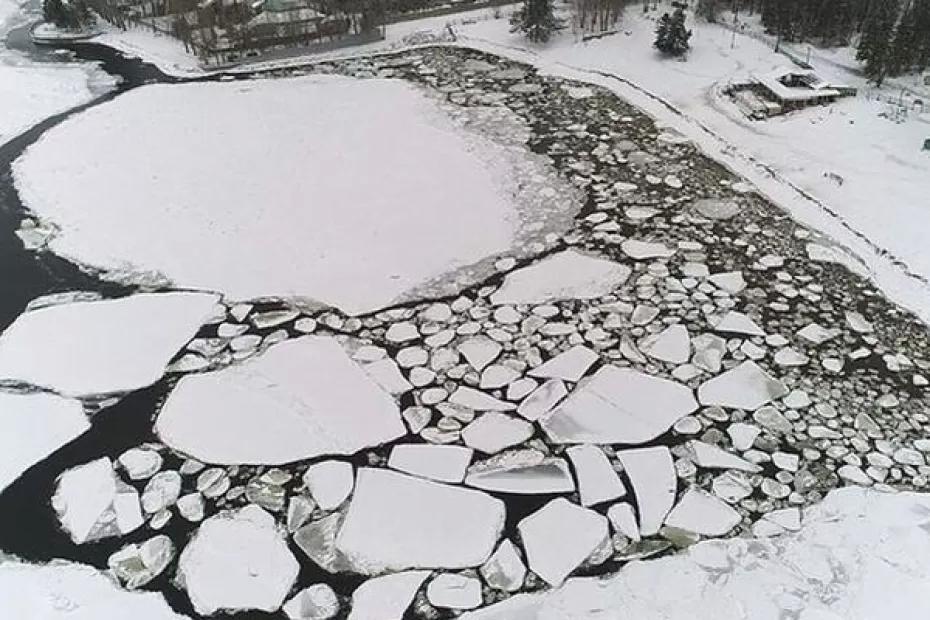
column 922, row 34
column 536, row 20
column 902, row 51
column 54, row 12
column 671, row 34
column 708, row 10
column 875, row 44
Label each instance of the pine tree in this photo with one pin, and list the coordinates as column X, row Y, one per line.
column 708, row 10
column 536, row 20
column 54, row 12
column 902, row 51
column 922, row 29
column 671, row 34
column 875, row 45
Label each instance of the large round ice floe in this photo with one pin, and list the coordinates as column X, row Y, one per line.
column 303, row 398
column 351, row 192
column 238, row 561
column 619, row 405
column 98, row 347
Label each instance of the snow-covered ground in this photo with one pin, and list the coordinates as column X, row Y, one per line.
column 166, row 53
column 350, row 192
column 31, row 91
column 859, row 555
column 878, row 211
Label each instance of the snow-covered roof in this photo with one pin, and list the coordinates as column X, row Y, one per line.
column 286, row 17
column 814, row 85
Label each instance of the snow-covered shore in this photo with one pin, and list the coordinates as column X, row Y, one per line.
column 875, row 213
column 32, row 91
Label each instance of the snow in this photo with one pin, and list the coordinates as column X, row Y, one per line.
column 451, row 591
column 570, row 365
column 671, row 345
column 65, row 591
column 92, row 503
column 238, row 560
column 542, row 399
column 559, row 537
column 395, row 522
column 505, row 569
column 165, row 52
column 643, row 250
column 618, row 405
column 480, row 351
column 623, row 520
column 652, row 474
column 74, row 349
column 745, row 387
column 734, row 322
column 386, row 373
column 711, row 457
column 878, row 159
column 387, row 597
column 317, row 602
column 522, row 472
column 492, row 432
column 378, row 231
column 478, row 400
column 859, row 554
column 566, row 275
column 597, row 480
column 329, row 483
column 700, row 512
column 440, row 463
column 33, row 426
column 302, row 398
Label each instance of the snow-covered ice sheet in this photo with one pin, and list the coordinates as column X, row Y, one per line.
column 250, row 198
column 66, row 591
column 101, row 347
column 32, row 426
column 860, row 555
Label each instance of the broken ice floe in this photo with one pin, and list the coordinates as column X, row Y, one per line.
column 74, row 349
column 395, row 522
column 301, row 398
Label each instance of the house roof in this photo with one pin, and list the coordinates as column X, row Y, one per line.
column 814, row 87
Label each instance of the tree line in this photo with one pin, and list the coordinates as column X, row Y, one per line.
column 893, row 35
